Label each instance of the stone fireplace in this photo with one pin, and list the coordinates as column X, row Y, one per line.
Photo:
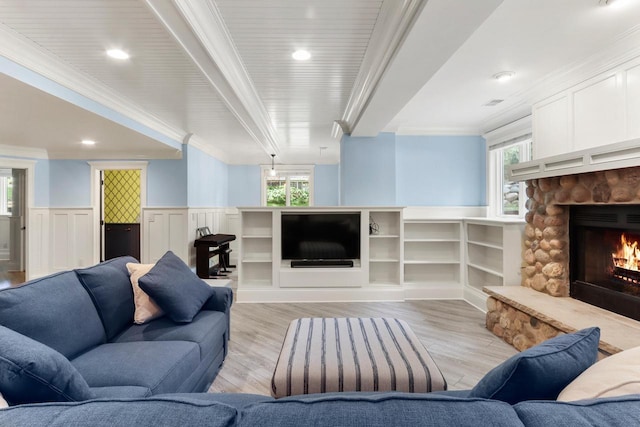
column 546, row 243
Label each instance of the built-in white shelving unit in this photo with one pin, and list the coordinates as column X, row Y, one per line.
column 385, row 251
column 401, row 258
column 493, row 255
column 256, row 249
column 432, row 253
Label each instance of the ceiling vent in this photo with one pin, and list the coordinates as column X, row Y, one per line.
column 493, row 102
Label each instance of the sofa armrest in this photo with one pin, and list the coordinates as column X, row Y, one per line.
column 221, row 300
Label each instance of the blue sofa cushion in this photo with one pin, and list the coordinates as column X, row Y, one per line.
column 121, row 391
column 161, row 366
column 149, row 412
column 175, row 288
column 614, row 411
column 207, row 329
column 541, row 372
column 55, row 310
column 110, row 289
column 31, row 372
column 379, row 410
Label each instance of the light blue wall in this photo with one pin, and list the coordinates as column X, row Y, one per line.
column 440, row 171
column 413, row 171
column 69, row 183
column 167, row 183
column 244, row 185
column 367, row 170
column 207, row 179
column 326, row 185
column 41, row 191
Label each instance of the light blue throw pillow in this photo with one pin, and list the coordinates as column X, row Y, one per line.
column 175, row 288
column 543, row 371
column 31, row 372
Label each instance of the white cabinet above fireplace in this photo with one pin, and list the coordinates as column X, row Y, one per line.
column 600, row 111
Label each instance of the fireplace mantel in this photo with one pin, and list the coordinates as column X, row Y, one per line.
column 613, row 156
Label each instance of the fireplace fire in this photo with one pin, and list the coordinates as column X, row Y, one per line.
column 605, row 256
column 625, row 261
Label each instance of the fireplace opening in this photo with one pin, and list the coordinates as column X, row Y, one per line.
column 604, row 257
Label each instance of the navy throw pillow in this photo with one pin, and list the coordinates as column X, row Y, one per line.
column 543, row 371
column 175, row 288
column 31, row 372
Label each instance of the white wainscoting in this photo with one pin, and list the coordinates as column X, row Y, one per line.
column 5, row 237
column 38, row 243
column 62, row 239
column 71, row 238
column 164, row 229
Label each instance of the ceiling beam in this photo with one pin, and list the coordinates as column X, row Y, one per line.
column 429, row 34
column 200, row 30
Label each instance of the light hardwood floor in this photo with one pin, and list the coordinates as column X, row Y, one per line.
column 451, row 330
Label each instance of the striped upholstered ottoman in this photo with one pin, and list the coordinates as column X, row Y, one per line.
column 353, row 354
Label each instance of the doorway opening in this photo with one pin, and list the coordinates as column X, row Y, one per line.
column 119, row 197
column 13, row 194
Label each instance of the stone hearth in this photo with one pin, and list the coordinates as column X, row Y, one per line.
column 546, row 244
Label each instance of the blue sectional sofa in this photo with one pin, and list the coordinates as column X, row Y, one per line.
column 68, row 342
column 79, row 325
column 332, row 409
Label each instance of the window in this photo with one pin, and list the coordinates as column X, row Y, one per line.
column 6, row 190
column 507, row 197
column 291, row 186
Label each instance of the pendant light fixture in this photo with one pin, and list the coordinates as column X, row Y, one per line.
column 272, row 172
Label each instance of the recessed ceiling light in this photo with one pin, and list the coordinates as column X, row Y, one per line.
column 88, row 142
column 118, row 54
column 301, row 55
column 504, row 76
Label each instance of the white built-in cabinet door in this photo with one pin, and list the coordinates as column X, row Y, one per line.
column 601, row 110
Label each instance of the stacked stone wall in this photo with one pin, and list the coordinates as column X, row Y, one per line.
column 546, row 244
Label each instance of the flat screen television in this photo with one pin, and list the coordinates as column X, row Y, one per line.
column 321, row 236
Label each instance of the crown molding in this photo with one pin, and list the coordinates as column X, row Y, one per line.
column 19, row 151
column 394, row 23
column 462, row 131
column 116, row 155
column 509, row 131
column 26, row 53
column 200, row 30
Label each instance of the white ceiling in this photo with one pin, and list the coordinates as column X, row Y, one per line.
column 219, row 74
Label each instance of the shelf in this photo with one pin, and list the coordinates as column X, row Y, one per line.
column 384, row 260
column 384, row 236
column 433, row 240
column 432, row 231
column 257, row 259
column 484, row 244
column 261, row 236
column 433, row 262
column 432, row 282
column 485, row 269
column 432, row 273
column 438, row 252
column 486, row 233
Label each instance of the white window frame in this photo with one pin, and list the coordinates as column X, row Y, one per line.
column 4, row 189
column 496, row 168
column 286, row 171
column 517, row 132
